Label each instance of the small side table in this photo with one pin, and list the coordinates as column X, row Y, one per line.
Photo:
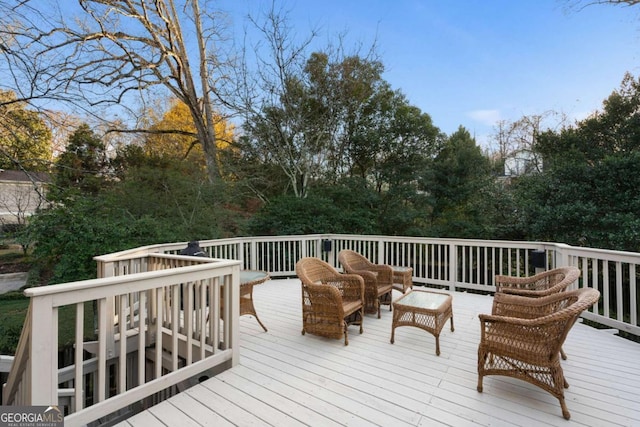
column 425, row 310
column 402, row 278
column 248, row 279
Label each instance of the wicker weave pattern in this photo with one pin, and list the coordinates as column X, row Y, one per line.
column 378, row 279
column 523, row 338
column 539, row 285
column 330, row 301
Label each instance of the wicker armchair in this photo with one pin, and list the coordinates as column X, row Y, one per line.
column 378, row 279
column 527, row 347
column 539, row 285
column 330, row 301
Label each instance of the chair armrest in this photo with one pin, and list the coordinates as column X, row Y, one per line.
column 544, row 335
column 384, row 273
column 512, row 282
column 367, row 275
column 536, row 293
column 351, row 286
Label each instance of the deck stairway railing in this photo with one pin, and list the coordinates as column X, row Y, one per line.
column 155, row 278
column 141, row 331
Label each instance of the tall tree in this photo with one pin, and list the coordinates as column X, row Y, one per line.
column 82, row 167
column 115, row 50
column 333, row 117
column 460, row 187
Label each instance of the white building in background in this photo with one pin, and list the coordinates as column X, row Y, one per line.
column 21, row 194
column 522, row 162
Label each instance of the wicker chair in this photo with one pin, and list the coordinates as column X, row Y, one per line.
column 378, row 279
column 330, row 301
column 539, row 285
column 527, row 347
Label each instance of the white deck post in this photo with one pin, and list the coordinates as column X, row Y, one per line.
column 43, row 352
column 453, row 266
column 382, row 259
column 235, row 315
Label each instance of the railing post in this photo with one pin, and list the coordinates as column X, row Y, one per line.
column 254, row 255
column 560, row 257
column 381, row 252
column 43, row 352
column 235, row 315
column 453, row 266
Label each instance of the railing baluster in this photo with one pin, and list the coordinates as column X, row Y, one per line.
column 175, row 325
column 122, row 324
column 78, row 383
column 102, row 348
column 633, row 304
column 142, row 325
column 160, row 299
column 188, row 319
column 619, row 293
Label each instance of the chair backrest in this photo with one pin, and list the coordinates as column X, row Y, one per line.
column 541, row 284
column 353, row 261
column 548, row 319
column 314, row 271
column 523, row 307
column 561, row 276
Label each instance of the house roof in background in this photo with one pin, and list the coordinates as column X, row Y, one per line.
column 22, row 176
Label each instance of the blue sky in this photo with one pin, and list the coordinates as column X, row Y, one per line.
column 474, row 62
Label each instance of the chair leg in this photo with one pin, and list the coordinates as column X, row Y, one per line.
column 482, row 357
column 263, row 327
column 565, row 411
column 346, row 333
column 563, row 354
column 558, row 378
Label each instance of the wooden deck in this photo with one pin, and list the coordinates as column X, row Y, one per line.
column 286, row 379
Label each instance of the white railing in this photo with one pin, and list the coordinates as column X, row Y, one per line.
column 147, row 330
column 152, row 275
column 456, row 264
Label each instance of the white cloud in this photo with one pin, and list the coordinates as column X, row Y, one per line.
column 486, row 117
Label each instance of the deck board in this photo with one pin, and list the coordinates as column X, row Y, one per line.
column 287, row 379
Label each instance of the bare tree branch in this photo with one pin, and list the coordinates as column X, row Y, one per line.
column 115, row 52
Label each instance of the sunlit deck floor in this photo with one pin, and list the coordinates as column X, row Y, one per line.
column 286, row 379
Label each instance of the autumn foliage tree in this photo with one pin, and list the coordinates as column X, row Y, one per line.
column 175, row 136
column 25, row 140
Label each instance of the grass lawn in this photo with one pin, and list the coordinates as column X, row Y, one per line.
column 13, row 309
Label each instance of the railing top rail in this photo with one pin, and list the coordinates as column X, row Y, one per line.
column 73, row 292
column 582, row 251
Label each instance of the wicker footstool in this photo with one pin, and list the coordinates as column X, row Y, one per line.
column 425, row 310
